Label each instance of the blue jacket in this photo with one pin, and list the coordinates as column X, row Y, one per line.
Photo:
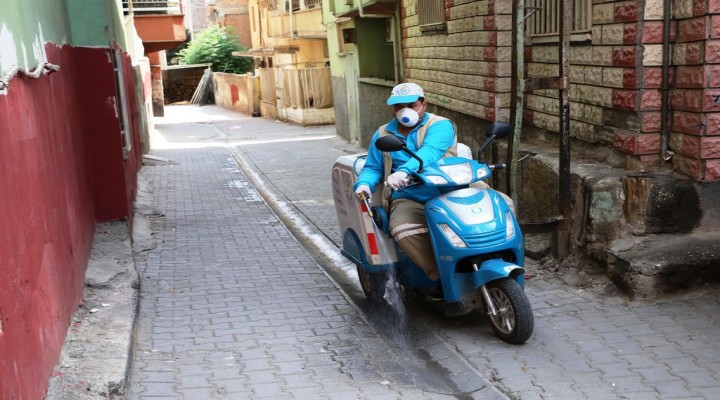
column 439, row 137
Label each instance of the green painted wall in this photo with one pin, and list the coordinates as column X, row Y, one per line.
column 90, row 18
column 375, row 55
column 23, row 34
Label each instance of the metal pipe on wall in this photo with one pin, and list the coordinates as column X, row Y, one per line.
column 665, row 100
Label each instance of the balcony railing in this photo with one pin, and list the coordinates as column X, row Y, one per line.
column 148, row 7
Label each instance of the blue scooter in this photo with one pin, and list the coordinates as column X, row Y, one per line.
column 476, row 240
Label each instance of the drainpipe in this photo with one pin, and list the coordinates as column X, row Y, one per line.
column 360, row 9
column 665, row 85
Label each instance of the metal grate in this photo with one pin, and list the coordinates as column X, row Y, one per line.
column 431, row 12
column 546, row 14
column 152, row 7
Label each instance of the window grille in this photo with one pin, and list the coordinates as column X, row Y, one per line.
column 431, row 12
column 545, row 20
column 295, row 5
column 312, row 3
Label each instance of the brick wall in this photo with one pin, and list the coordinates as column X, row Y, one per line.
column 467, row 67
column 612, row 102
column 235, row 14
column 616, row 84
column 615, row 77
column 695, row 100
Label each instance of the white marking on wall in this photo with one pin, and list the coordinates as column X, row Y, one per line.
column 8, row 53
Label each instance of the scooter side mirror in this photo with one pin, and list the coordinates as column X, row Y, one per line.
column 389, row 143
column 496, row 130
column 499, row 130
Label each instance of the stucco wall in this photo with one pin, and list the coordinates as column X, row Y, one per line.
column 62, row 169
column 235, row 92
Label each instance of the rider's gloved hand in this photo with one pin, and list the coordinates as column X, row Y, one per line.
column 397, row 180
column 363, row 189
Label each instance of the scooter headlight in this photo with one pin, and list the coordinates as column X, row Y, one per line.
column 459, row 173
column 509, row 226
column 451, row 235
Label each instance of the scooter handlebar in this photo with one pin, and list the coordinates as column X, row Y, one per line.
column 496, row 166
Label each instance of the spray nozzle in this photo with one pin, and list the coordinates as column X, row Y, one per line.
column 366, row 201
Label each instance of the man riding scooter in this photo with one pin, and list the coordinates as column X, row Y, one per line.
column 430, row 137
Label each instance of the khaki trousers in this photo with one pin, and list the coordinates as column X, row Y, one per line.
column 408, row 227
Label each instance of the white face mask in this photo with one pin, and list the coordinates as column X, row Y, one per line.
column 408, row 117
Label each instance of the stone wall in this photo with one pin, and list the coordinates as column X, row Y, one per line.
column 695, row 99
column 616, row 83
column 466, row 67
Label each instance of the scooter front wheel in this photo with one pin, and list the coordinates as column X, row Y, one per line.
column 513, row 322
column 373, row 283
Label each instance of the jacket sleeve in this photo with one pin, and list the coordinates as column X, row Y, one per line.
column 373, row 170
column 439, row 138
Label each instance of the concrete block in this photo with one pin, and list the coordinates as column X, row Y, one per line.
column 624, row 56
column 652, row 55
column 712, row 52
column 650, row 99
column 652, row 32
column 602, row 55
column 690, row 77
column 690, row 53
column 625, row 11
column 692, row 30
column 712, row 124
column 650, row 121
column 711, row 100
column 654, row 10
column 713, row 72
column 630, row 33
column 613, row 34
column 603, row 14
column 686, row 99
column 629, row 78
column 625, row 99
column 683, row 8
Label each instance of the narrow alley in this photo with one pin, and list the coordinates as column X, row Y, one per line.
column 245, row 296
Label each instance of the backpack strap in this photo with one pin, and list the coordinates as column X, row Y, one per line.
column 387, row 159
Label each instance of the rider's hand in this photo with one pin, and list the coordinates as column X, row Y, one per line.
column 397, row 180
column 363, row 189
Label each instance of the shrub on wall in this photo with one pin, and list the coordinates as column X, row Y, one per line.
column 215, row 46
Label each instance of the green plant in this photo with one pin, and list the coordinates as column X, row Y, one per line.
column 215, row 46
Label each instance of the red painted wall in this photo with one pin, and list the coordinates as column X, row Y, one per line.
column 61, row 169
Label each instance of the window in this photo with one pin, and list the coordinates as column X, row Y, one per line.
column 431, row 12
column 545, row 19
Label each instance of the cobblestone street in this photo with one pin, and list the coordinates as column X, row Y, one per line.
column 234, row 304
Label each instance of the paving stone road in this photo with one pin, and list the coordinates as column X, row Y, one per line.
column 234, row 306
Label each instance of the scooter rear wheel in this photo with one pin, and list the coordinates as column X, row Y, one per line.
column 514, row 321
column 373, row 284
